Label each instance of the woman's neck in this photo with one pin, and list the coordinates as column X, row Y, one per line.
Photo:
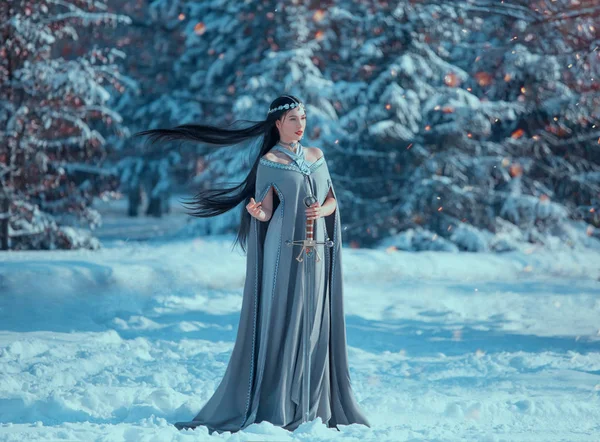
column 291, row 146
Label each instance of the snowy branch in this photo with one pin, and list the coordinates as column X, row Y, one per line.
column 88, row 18
column 71, row 7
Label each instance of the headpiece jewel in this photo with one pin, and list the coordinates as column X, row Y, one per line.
column 285, row 106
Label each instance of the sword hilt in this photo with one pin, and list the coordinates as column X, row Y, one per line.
column 309, row 228
column 308, row 244
column 309, row 200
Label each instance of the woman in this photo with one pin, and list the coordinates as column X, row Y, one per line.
column 264, row 376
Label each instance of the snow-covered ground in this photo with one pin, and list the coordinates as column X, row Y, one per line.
column 117, row 344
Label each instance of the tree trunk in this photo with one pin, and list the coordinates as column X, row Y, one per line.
column 4, row 220
column 135, row 199
column 155, row 207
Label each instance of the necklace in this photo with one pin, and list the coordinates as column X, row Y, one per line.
column 297, row 155
column 293, row 146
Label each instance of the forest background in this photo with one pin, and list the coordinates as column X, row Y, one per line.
column 447, row 125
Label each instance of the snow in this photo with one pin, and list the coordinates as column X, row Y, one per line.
column 119, row 343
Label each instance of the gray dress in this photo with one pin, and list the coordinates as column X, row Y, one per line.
column 263, row 379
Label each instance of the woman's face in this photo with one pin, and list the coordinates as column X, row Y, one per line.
column 292, row 125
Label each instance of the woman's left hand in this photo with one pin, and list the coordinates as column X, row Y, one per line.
column 315, row 211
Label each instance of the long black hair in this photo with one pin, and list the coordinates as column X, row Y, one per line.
column 218, row 200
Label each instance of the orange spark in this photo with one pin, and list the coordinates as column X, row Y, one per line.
column 451, row 79
column 516, row 170
column 200, row 28
column 318, row 15
column 517, row 134
column 483, row 78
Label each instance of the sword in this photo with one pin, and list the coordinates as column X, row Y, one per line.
column 312, row 257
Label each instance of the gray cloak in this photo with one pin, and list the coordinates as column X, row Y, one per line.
column 263, row 378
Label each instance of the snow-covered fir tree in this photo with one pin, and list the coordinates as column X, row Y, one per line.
column 53, row 113
column 222, row 49
column 260, row 49
column 432, row 107
column 153, row 44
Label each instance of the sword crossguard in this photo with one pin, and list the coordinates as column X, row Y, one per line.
column 308, row 247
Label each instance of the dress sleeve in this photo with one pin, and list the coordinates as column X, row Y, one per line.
column 330, row 185
column 263, row 181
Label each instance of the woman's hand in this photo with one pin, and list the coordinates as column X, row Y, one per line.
column 255, row 210
column 315, row 211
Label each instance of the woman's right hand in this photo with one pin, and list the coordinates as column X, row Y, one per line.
column 255, row 210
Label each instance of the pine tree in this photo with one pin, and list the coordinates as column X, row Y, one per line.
column 153, row 44
column 53, row 109
column 447, row 134
column 259, row 50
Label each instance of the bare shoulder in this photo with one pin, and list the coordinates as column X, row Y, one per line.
column 269, row 156
column 313, row 153
column 276, row 157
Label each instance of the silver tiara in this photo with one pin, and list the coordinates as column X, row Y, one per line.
column 285, row 106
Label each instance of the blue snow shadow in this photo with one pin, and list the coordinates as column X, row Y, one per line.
column 419, row 338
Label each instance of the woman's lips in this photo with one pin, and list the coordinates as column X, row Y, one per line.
column 299, row 132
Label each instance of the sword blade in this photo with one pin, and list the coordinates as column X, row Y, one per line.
column 309, row 289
